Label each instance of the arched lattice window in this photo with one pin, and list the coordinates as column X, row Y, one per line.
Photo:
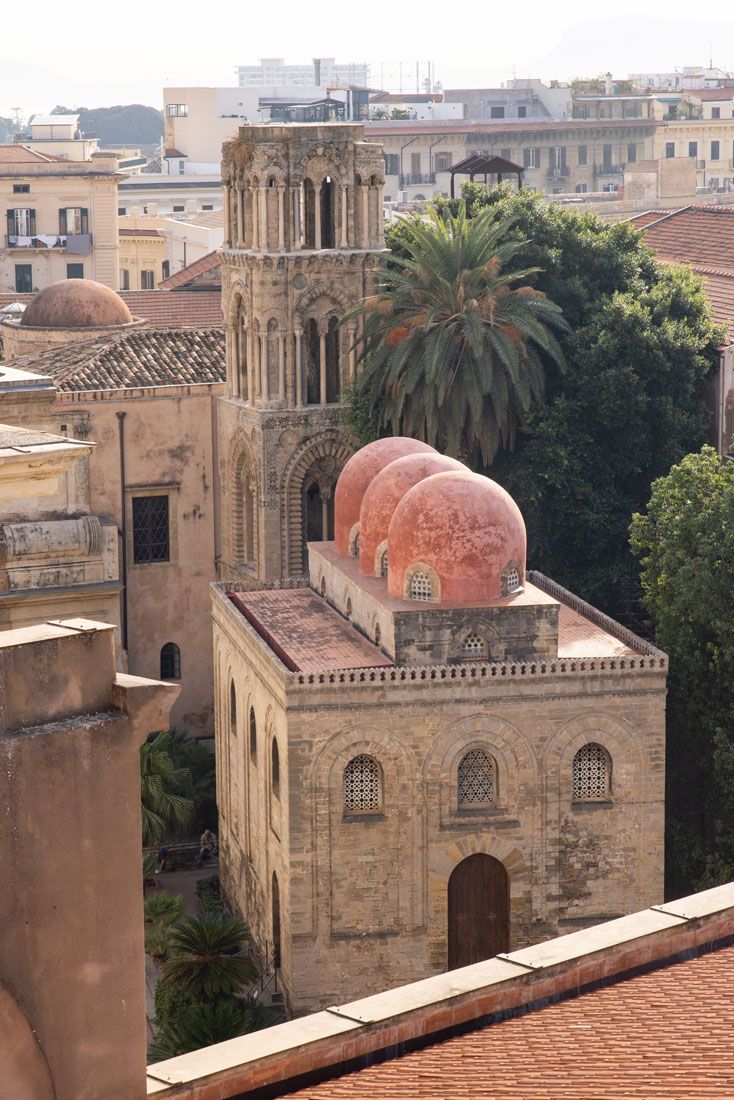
column 354, row 542
column 592, row 773
column 383, row 564
column 510, row 580
column 275, row 768
column 476, row 784
column 253, row 734
column 474, row 647
column 232, row 707
column 362, row 786
column 420, row 587
column 170, row 662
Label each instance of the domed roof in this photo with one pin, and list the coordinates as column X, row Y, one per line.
column 76, row 303
column 356, row 476
column 465, row 528
column 384, row 494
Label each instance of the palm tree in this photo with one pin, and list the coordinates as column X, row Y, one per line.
column 161, row 783
column 452, row 347
column 200, row 1025
column 206, row 956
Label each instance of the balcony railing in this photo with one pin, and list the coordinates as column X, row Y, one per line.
column 609, row 169
column 80, row 244
column 408, row 178
column 559, row 173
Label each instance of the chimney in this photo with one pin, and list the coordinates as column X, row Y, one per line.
column 608, row 86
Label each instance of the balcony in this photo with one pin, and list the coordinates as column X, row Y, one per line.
column 408, row 179
column 561, row 173
column 609, row 169
column 79, row 244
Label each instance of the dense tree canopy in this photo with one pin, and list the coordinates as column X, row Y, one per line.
column 628, row 404
column 685, row 542
column 125, row 124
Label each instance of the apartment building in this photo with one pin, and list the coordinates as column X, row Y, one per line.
column 709, row 142
column 558, row 157
column 60, row 219
column 321, row 70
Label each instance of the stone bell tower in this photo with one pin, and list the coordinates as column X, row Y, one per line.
column 303, row 236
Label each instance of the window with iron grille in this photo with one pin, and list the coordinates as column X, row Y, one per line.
column 150, row 529
column 474, row 647
column 475, row 782
column 362, row 785
column 591, row 773
column 170, row 662
column 420, row 587
column 383, row 564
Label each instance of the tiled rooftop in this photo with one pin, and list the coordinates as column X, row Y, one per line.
column 579, row 637
column 21, row 154
column 200, row 310
column 205, row 270
column 665, row 1034
column 308, row 634
column 142, row 357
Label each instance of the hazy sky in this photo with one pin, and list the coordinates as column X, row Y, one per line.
column 95, row 54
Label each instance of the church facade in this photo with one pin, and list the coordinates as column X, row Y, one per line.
column 303, row 237
column 428, row 756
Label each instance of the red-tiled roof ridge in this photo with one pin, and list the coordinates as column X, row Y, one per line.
column 188, row 273
column 637, row 978
column 17, row 153
column 162, row 308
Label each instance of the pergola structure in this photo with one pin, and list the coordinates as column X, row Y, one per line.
column 482, row 165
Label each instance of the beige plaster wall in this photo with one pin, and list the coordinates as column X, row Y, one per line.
column 168, row 444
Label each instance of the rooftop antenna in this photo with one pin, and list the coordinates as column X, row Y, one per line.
column 16, row 112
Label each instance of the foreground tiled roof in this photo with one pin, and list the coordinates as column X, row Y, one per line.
column 200, row 310
column 206, row 270
column 666, row 1034
column 305, row 632
column 145, row 357
column 21, row 154
column 580, row 637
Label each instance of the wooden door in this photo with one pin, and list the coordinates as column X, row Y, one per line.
column 478, row 910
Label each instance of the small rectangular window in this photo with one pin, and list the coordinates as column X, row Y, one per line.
column 177, row 110
column 75, row 271
column 121, row 211
column 207, row 206
column 693, row 149
column 716, row 112
column 150, row 529
column 415, row 164
column 442, row 162
column 147, row 280
column 715, row 150
column 583, row 156
column 496, row 112
column 530, row 158
column 23, row 278
column 606, row 157
column 21, row 188
column 178, row 209
column 522, row 112
column 632, row 152
column 506, row 154
column 182, row 168
column 392, row 164
column 669, row 149
column 124, row 279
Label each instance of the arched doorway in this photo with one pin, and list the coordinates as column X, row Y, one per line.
column 478, row 911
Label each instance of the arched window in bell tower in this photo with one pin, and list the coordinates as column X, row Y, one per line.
column 309, row 214
column 241, row 352
column 272, row 351
column 328, row 192
column 318, row 514
column 313, row 359
column 333, row 386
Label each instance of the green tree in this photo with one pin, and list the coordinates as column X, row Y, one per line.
column 199, row 1024
column 453, row 348
column 162, row 908
column 207, row 958
column 164, row 804
column 685, row 542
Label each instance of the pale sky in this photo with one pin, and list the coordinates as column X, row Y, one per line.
column 103, row 55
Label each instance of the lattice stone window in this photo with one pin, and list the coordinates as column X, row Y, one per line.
column 475, row 780
column 362, row 785
column 354, row 547
column 510, row 581
column 383, row 564
column 474, row 647
column 591, row 773
column 420, row 587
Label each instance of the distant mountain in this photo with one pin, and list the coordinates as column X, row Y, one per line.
column 132, row 124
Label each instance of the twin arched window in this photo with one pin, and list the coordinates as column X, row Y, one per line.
column 592, row 774
column 362, row 785
column 170, row 662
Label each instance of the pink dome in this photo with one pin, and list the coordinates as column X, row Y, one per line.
column 384, row 494
column 356, row 476
column 466, row 529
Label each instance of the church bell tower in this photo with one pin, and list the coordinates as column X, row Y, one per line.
column 303, row 237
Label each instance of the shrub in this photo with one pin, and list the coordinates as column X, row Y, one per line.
column 163, row 908
column 156, row 942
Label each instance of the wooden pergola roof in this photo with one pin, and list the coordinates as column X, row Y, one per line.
column 482, row 165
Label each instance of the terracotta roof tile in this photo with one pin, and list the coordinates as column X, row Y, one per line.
column 580, row 637
column 664, row 1035
column 702, row 236
column 21, row 154
column 145, row 357
column 161, row 307
column 208, row 265
column 307, row 632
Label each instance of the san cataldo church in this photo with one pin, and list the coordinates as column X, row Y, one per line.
column 426, row 755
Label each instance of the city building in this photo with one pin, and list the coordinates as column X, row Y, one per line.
column 517, row 99
column 60, row 219
column 188, row 238
column 638, row 1004
column 147, row 398
column 321, row 71
column 423, row 735
column 689, row 76
column 59, row 136
column 142, row 252
column 156, row 194
column 72, row 978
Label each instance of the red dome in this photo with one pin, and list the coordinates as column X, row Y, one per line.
column 384, row 494
column 356, row 476
column 465, row 528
